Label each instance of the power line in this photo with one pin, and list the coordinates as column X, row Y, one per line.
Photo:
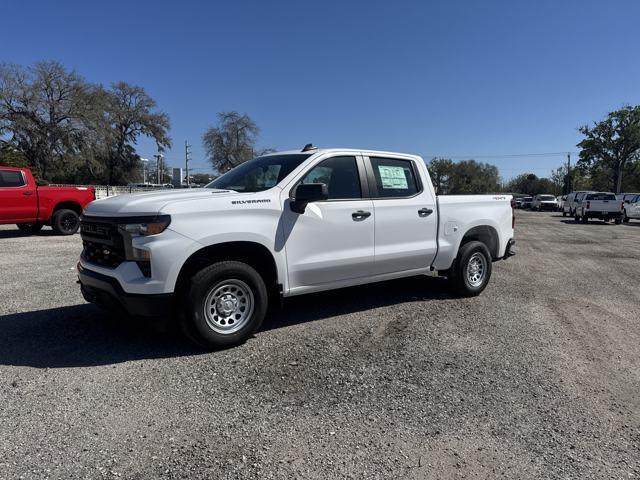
column 508, row 155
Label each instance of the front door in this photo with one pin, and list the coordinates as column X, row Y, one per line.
column 332, row 240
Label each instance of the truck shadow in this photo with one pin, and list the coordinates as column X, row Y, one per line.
column 316, row 306
column 19, row 233
column 83, row 335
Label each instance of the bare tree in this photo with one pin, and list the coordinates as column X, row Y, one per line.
column 232, row 141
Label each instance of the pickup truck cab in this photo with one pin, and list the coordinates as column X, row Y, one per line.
column 280, row 225
column 31, row 207
column 573, row 199
column 602, row 205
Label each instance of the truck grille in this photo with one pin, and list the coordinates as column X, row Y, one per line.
column 102, row 243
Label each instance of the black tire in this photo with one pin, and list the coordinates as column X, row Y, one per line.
column 576, row 218
column 584, row 219
column 65, row 222
column 200, row 326
column 29, row 227
column 618, row 221
column 564, row 214
column 458, row 274
column 625, row 219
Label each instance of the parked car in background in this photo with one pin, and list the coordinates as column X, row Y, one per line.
column 544, row 202
column 627, row 197
column 31, row 207
column 602, row 205
column 631, row 209
column 569, row 207
column 526, row 202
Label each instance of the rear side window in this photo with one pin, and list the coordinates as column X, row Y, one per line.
column 340, row 174
column 601, row 196
column 394, row 178
column 10, row 178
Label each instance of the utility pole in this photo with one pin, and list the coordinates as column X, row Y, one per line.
column 568, row 173
column 158, row 156
column 186, row 160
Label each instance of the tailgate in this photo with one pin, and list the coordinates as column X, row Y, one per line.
column 605, row 205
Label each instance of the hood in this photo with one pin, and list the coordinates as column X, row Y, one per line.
column 143, row 203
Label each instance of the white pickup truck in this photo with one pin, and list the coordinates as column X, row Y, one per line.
column 602, row 205
column 285, row 224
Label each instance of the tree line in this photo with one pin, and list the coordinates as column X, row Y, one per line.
column 69, row 130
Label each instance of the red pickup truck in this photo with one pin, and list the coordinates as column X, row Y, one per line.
column 30, row 207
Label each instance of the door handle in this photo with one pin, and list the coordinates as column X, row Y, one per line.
column 27, row 193
column 360, row 215
column 425, row 212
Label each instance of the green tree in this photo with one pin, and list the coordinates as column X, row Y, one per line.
column 201, row 178
column 611, row 147
column 42, row 111
column 471, row 177
column 10, row 156
column 232, row 141
column 441, row 171
column 129, row 113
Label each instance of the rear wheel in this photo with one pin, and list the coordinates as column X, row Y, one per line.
column 225, row 304
column 29, row 227
column 471, row 270
column 625, row 219
column 584, row 219
column 65, row 222
column 564, row 214
column 618, row 221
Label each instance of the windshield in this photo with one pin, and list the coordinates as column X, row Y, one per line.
column 546, row 197
column 259, row 174
column 601, row 196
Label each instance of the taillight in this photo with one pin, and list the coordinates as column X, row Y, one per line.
column 588, row 204
column 622, row 206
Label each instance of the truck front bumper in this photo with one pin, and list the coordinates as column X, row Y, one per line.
column 107, row 292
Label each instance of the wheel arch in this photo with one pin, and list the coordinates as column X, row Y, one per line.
column 485, row 234
column 252, row 253
column 68, row 204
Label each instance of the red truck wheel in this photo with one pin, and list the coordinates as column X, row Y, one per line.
column 65, row 222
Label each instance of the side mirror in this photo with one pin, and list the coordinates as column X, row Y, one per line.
column 306, row 193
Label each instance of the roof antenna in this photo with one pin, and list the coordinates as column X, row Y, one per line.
column 309, row 146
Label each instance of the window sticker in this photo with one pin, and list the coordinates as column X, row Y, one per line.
column 393, row 177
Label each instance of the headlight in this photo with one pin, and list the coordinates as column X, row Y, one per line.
column 141, row 227
column 146, row 226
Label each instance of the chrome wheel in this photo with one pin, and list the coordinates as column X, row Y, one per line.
column 476, row 269
column 228, row 306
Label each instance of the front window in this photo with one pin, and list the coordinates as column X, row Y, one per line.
column 547, row 198
column 259, row 174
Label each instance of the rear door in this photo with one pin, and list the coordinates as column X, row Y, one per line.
column 405, row 211
column 18, row 201
column 332, row 240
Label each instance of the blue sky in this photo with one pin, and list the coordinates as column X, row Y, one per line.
column 460, row 79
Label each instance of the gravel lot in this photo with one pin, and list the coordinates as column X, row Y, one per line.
column 539, row 377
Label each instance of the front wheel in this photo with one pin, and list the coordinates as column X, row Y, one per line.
column 471, row 270
column 564, row 214
column 225, row 304
column 29, row 227
column 65, row 222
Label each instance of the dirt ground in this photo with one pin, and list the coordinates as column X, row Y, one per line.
column 539, row 377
